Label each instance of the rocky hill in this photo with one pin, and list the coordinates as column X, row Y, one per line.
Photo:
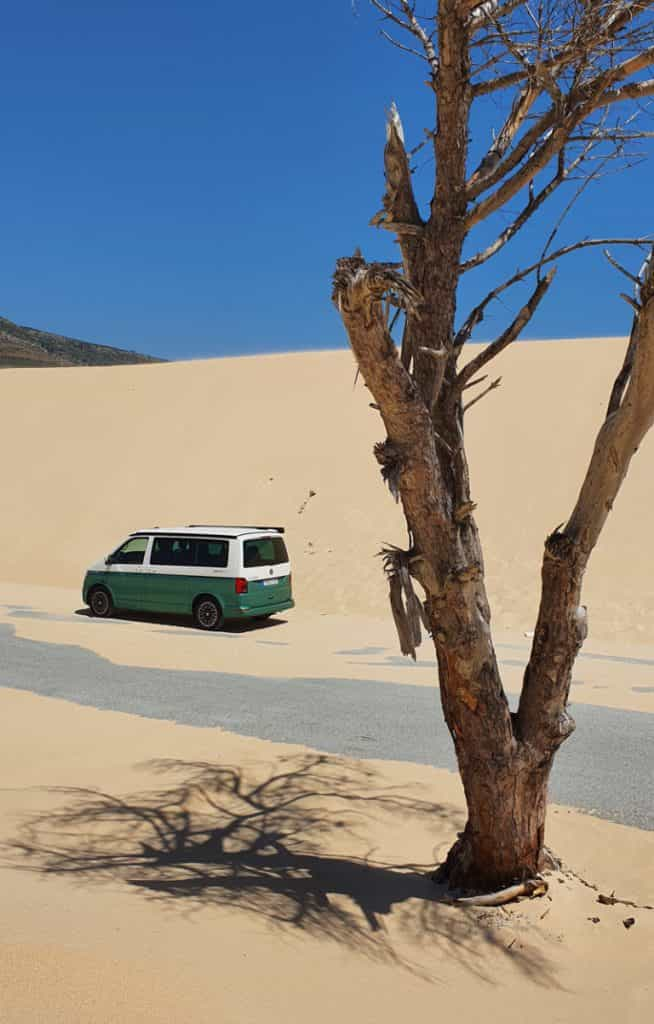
column 25, row 346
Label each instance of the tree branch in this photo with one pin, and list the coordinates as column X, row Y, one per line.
column 509, row 335
column 563, row 174
column 358, row 292
column 476, row 316
column 622, row 270
column 410, row 23
column 401, row 46
column 520, row 108
column 491, row 387
column 481, row 12
column 512, row 169
column 532, row 205
column 586, row 41
column 561, row 627
column 539, row 130
column 630, row 91
column 552, row 143
column 621, row 380
column 495, row 84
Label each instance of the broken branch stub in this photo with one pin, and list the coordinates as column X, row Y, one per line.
column 390, row 459
column 400, row 210
column 358, row 284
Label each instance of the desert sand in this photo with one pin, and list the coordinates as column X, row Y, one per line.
column 101, row 919
column 102, row 923
column 91, row 454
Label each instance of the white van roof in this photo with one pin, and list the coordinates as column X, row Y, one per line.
column 209, row 529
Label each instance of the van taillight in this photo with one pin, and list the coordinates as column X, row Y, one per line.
column 241, row 585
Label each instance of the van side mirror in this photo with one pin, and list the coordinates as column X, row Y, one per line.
column 108, row 560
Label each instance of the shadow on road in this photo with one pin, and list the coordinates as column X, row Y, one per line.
column 278, row 847
column 185, row 622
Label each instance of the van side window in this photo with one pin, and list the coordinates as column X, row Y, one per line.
column 189, row 551
column 264, row 551
column 173, row 551
column 212, row 553
column 132, row 552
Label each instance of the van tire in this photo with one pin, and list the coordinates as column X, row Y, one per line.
column 100, row 604
column 207, row 613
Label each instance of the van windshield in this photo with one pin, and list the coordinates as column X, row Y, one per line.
column 264, row 551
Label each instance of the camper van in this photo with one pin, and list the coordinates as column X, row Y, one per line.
column 212, row 573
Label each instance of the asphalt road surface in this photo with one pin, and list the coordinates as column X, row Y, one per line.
column 606, row 767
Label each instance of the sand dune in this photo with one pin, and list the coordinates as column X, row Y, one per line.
column 91, row 454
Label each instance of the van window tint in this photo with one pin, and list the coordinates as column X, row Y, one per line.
column 173, row 551
column 212, row 553
column 189, row 551
column 264, row 551
column 132, row 552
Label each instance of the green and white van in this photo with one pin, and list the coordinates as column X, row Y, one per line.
column 213, row 573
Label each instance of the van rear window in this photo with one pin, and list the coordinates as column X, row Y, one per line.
column 189, row 551
column 264, row 551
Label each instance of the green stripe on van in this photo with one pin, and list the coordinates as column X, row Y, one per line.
column 175, row 594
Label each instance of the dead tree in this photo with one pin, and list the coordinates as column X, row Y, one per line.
column 570, row 78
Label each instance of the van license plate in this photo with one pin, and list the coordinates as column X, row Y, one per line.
column 270, row 583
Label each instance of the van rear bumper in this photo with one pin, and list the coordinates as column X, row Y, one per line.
column 258, row 610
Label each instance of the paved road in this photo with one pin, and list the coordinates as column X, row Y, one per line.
column 607, row 767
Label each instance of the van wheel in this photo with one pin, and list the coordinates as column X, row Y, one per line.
column 100, row 603
column 207, row 613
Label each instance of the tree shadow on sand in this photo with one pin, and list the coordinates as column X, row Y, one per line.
column 220, row 838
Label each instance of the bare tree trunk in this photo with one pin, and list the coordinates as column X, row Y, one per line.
column 504, row 784
column 503, row 841
column 447, row 561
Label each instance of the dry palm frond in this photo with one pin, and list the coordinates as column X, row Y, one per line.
column 405, row 605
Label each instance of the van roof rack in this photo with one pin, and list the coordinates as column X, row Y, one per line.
column 225, row 526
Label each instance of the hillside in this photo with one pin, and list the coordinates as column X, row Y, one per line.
column 115, row 449
column 25, row 346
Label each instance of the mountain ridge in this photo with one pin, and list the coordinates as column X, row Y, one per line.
column 27, row 346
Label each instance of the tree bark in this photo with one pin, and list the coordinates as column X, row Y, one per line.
column 447, row 561
column 503, row 841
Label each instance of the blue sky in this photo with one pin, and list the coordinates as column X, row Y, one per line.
column 179, row 177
